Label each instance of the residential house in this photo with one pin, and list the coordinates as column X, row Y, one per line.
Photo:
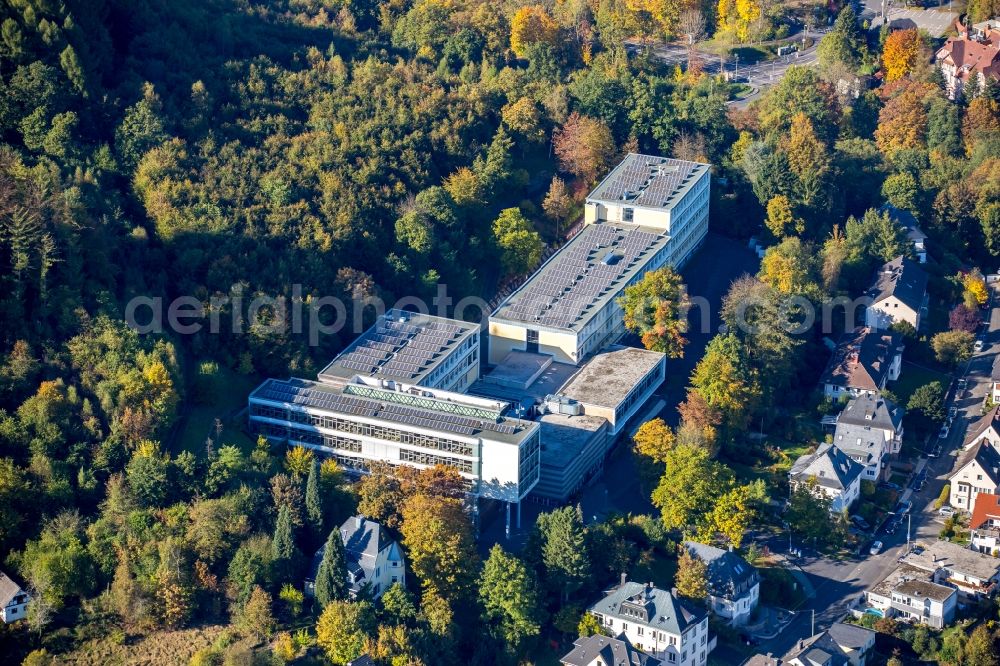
column 914, row 233
column 831, row 473
column 374, row 560
column 899, row 294
column 733, row 585
column 972, row 573
column 13, row 599
column 985, row 429
column 869, row 430
column 971, row 58
column 977, row 471
column 984, row 525
column 994, row 395
column 840, row 645
column 600, row 650
column 862, row 362
column 658, row 622
column 908, row 593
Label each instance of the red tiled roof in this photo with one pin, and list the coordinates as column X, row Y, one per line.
column 969, row 55
column 987, row 506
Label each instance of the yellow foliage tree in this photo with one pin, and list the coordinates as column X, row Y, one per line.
column 900, row 53
column 654, row 439
column 531, row 25
column 975, row 284
column 780, row 220
column 298, row 460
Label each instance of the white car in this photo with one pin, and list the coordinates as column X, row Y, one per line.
column 943, row 434
column 946, row 511
column 876, row 548
column 979, row 345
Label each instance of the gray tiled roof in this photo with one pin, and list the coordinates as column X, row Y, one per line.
column 975, row 431
column 902, row 278
column 729, row 575
column 611, row 651
column 850, row 636
column 987, row 457
column 872, row 410
column 8, row 589
column 363, row 540
column 861, row 443
column 829, row 465
column 662, row 609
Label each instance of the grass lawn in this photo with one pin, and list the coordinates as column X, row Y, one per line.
column 913, row 377
column 229, row 398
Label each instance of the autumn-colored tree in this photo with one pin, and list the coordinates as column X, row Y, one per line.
column 558, row 202
column 808, row 158
column 654, row 439
column 780, row 219
column 298, row 460
column 982, row 119
column 690, row 484
column 902, row 122
column 522, row 117
column 464, row 188
column 735, row 511
column 901, row 53
column 790, row 267
column 584, row 146
column 695, row 412
column 656, row 310
column 975, row 284
column 691, row 579
column 343, row 629
column 531, row 25
column 438, row 536
column 724, row 380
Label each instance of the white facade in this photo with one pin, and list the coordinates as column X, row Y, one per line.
column 885, row 313
column 689, row 648
column 17, row 607
column 971, row 479
column 366, row 421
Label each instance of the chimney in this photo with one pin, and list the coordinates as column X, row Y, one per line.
column 730, row 548
column 624, row 579
column 358, row 521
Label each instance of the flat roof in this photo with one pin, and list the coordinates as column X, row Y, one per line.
column 583, row 276
column 519, row 368
column 551, row 379
column 609, row 376
column 431, row 409
column 400, row 345
column 564, row 437
column 945, row 554
column 648, row 181
column 897, row 576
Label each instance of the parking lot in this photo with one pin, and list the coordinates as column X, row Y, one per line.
column 936, row 21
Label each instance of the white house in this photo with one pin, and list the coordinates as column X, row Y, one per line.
column 733, row 585
column 840, row 644
column 899, row 294
column 972, row 57
column 984, row 525
column 13, row 600
column 862, row 362
column 374, row 561
column 601, row 650
column 869, row 430
column 977, row 471
column 658, row 622
column 972, row 573
column 830, row 472
column 908, row 593
column 913, row 231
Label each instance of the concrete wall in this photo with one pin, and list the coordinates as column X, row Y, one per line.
column 506, row 337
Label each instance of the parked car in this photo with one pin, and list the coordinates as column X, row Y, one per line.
column 962, row 383
column 888, row 485
column 860, row 522
column 943, row 433
column 952, row 412
column 902, row 509
column 946, row 511
column 979, row 345
column 876, row 548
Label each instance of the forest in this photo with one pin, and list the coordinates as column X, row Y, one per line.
column 213, row 148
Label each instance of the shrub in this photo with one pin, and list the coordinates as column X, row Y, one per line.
column 943, row 497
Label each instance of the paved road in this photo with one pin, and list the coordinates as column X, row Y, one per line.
column 760, row 76
column 935, row 21
column 839, row 584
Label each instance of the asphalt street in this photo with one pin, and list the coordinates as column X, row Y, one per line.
column 839, row 584
column 935, row 20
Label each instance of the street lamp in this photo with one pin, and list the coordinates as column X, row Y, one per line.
column 737, row 67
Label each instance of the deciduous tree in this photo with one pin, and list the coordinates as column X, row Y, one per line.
column 584, row 146
column 656, row 310
column 901, row 53
column 343, row 629
column 510, row 600
column 691, row 579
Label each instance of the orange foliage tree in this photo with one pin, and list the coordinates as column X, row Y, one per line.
column 531, row 25
column 901, row 53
